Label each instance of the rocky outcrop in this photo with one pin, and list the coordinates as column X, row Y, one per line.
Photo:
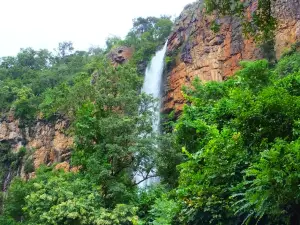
column 199, row 52
column 288, row 14
column 49, row 141
column 120, row 55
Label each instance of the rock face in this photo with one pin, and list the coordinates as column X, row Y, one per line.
column 120, row 55
column 199, row 52
column 288, row 14
column 49, row 141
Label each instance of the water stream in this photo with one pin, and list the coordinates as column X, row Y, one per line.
column 152, row 86
column 152, row 82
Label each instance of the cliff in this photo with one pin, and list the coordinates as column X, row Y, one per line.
column 48, row 142
column 199, row 52
column 120, row 55
column 195, row 51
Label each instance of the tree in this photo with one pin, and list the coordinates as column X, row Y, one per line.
column 260, row 25
column 111, row 134
column 111, row 42
column 240, row 139
column 65, row 48
column 145, row 36
column 272, row 184
column 111, row 123
column 24, row 106
column 57, row 197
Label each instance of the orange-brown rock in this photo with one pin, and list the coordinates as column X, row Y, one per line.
column 65, row 166
column 120, row 55
column 288, row 29
column 49, row 141
column 213, row 56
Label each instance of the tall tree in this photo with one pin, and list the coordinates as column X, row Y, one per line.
column 112, row 133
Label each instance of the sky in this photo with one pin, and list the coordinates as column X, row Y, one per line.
column 45, row 23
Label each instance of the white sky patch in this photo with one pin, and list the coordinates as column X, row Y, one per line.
column 45, row 23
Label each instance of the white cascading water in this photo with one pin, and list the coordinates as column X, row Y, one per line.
column 152, row 82
column 152, row 86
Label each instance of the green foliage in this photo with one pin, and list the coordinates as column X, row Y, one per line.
column 206, row 179
column 231, row 158
column 64, row 100
column 146, row 35
column 145, row 200
column 24, row 78
column 35, row 81
column 167, row 158
column 111, row 134
column 1, row 202
column 65, row 48
column 155, row 205
column 255, row 75
column 112, row 41
column 24, row 105
column 111, row 122
column 15, row 200
column 260, row 26
column 170, row 59
column 288, row 65
column 28, row 161
column 9, row 163
column 241, row 139
column 121, row 214
column 272, row 184
column 62, row 198
column 56, row 197
column 163, row 211
column 110, row 119
column 7, row 221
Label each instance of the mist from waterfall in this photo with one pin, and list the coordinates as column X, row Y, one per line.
column 152, row 86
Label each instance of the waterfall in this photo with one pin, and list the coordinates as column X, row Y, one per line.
column 7, row 180
column 152, row 82
column 152, row 86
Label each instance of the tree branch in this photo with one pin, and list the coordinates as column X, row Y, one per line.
column 147, row 177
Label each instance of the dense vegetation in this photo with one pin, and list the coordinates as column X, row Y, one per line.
column 260, row 25
column 27, row 80
column 241, row 141
column 232, row 157
column 111, row 123
column 235, row 147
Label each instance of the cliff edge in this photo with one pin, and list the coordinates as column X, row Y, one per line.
column 197, row 51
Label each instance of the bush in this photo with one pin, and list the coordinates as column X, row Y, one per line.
column 241, row 140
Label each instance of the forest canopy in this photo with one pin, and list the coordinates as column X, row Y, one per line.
column 232, row 156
